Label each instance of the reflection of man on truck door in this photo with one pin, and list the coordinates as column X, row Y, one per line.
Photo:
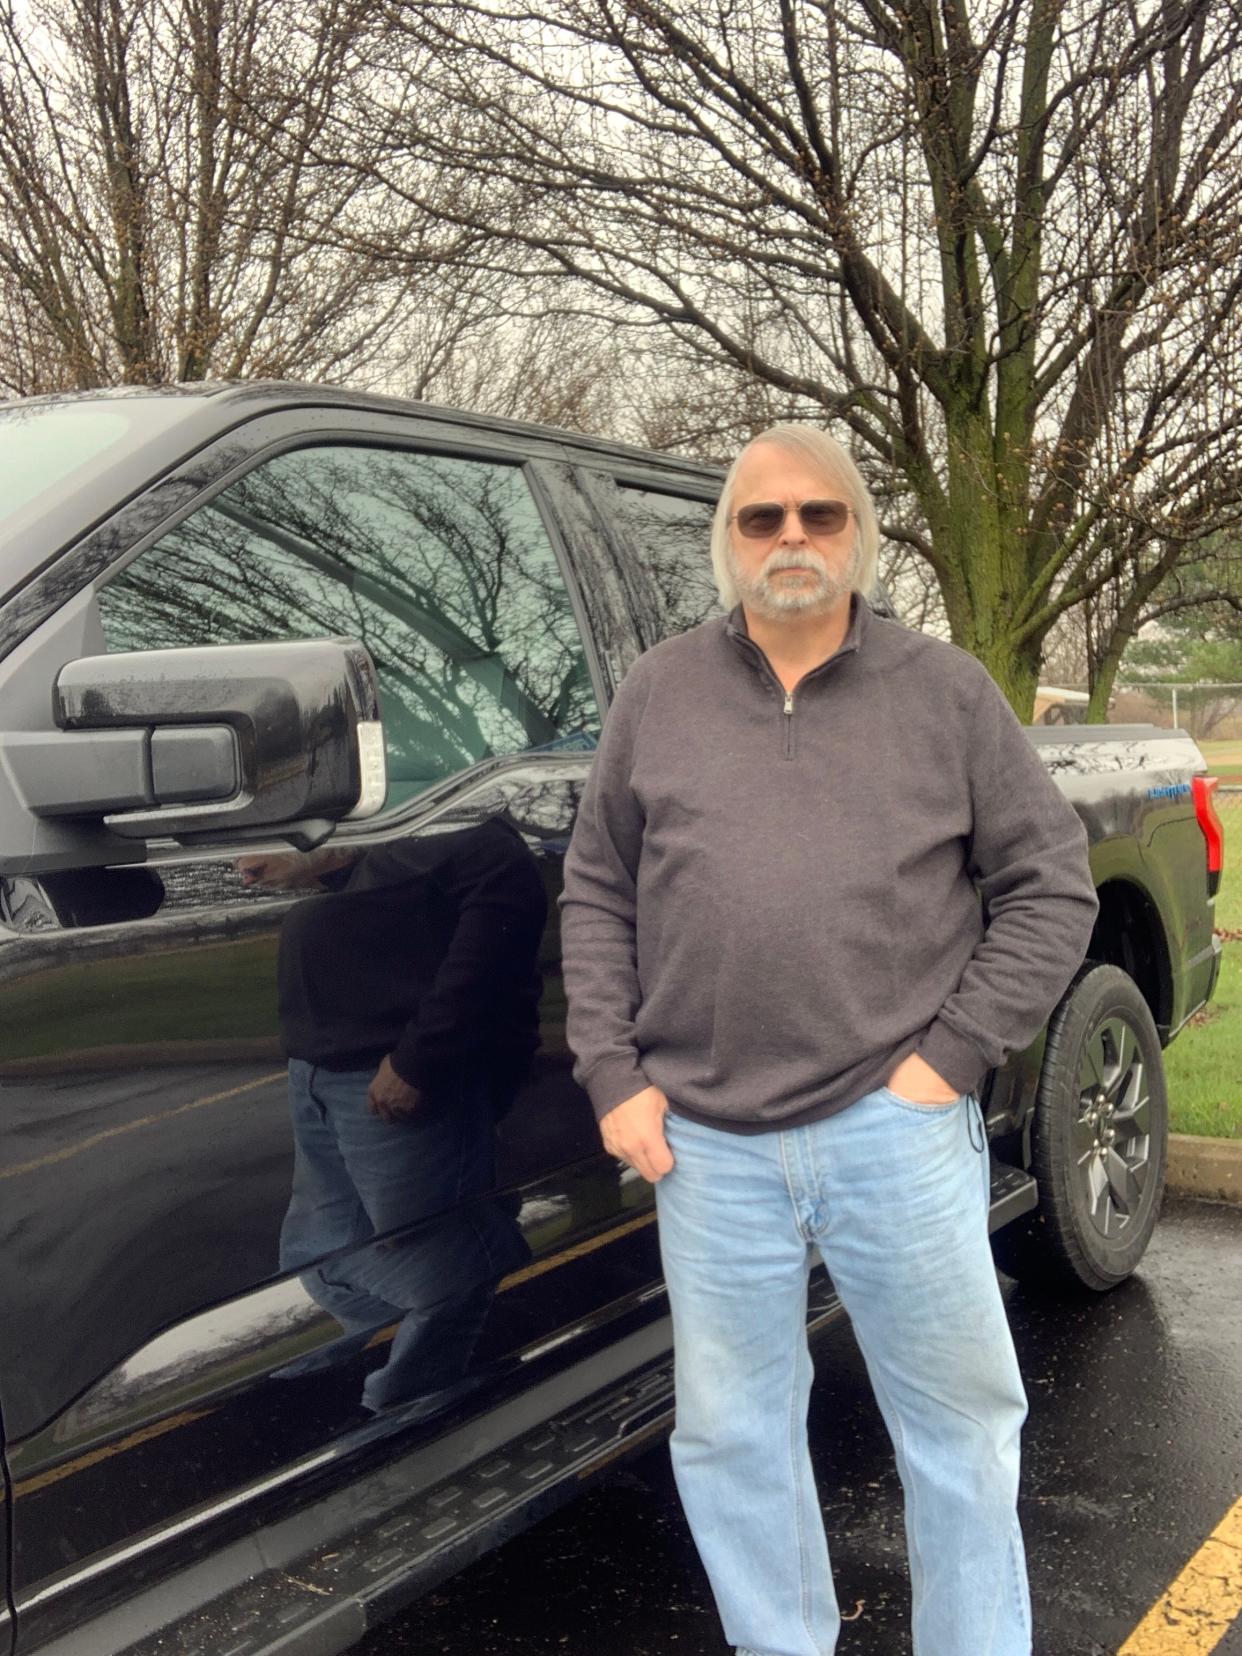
column 409, row 994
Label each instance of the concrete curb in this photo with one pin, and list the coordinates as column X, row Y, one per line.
column 1210, row 1167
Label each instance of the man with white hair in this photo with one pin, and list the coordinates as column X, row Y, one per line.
column 784, row 997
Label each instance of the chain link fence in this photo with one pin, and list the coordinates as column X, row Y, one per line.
column 1229, row 810
column 1210, row 712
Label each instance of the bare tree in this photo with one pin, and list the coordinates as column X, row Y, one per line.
column 471, row 348
column 150, row 230
column 172, row 212
column 1001, row 245
column 1065, row 651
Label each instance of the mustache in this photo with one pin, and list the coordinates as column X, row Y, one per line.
column 776, row 561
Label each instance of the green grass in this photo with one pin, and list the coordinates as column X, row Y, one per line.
column 1224, row 760
column 1204, row 1063
column 214, row 992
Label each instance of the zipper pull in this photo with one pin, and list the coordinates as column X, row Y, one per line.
column 789, row 704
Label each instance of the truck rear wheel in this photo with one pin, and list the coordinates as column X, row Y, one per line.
column 1099, row 1140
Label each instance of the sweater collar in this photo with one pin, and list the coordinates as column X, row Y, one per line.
column 860, row 618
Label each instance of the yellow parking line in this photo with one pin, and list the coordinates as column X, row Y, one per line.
column 188, row 1416
column 89, row 1143
column 540, row 1266
column 383, row 1335
column 54, row 1474
column 1195, row 1611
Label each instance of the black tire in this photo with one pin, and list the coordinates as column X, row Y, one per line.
column 1099, row 1196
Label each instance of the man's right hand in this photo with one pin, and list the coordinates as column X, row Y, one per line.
column 635, row 1132
column 290, row 870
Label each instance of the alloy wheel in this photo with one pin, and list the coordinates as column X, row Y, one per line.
column 1112, row 1130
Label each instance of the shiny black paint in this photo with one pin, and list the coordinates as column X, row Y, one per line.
column 146, row 1170
column 8, row 1625
column 186, row 743
column 1149, row 862
column 145, row 1148
column 218, row 435
column 293, row 707
column 143, row 1104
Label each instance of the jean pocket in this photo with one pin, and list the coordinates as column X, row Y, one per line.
column 976, row 1124
column 916, row 1108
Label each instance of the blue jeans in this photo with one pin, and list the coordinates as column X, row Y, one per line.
column 356, row 1180
column 895, row 1197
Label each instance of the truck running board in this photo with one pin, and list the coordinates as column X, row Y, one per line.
column 1013, row 1193
column 320, row 1600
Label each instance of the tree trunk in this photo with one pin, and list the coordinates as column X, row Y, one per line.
column 983, row 546
column 1102, row 688
column 1016, row 671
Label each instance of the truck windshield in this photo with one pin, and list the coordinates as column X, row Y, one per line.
column 42, row 446
column 53, row 453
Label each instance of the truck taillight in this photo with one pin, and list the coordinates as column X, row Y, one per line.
column 1213, row 829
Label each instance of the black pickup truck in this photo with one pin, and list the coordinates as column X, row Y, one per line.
column 201, row 592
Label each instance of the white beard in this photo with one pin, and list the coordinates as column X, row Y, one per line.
column 770, row 598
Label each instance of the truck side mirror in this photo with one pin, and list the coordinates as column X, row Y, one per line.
column 223, row 741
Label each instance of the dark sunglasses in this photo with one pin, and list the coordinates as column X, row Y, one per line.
column 767, row 517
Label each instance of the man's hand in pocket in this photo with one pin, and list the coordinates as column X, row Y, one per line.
column 389, row 1097
column 634, row 1131
column 916, row 1081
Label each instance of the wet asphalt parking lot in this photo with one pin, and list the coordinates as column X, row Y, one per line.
column 1132, row 1457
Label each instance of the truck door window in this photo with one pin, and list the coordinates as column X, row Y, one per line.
column 440, row 566
column 673, row 536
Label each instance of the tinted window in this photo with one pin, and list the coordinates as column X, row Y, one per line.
column 674, row 539
column 440, row 566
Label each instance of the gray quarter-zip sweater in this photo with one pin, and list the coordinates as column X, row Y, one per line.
column 771, row 899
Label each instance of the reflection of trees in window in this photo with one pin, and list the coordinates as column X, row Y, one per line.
column 440, row 566
column 543, row 806
column 674, row 537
